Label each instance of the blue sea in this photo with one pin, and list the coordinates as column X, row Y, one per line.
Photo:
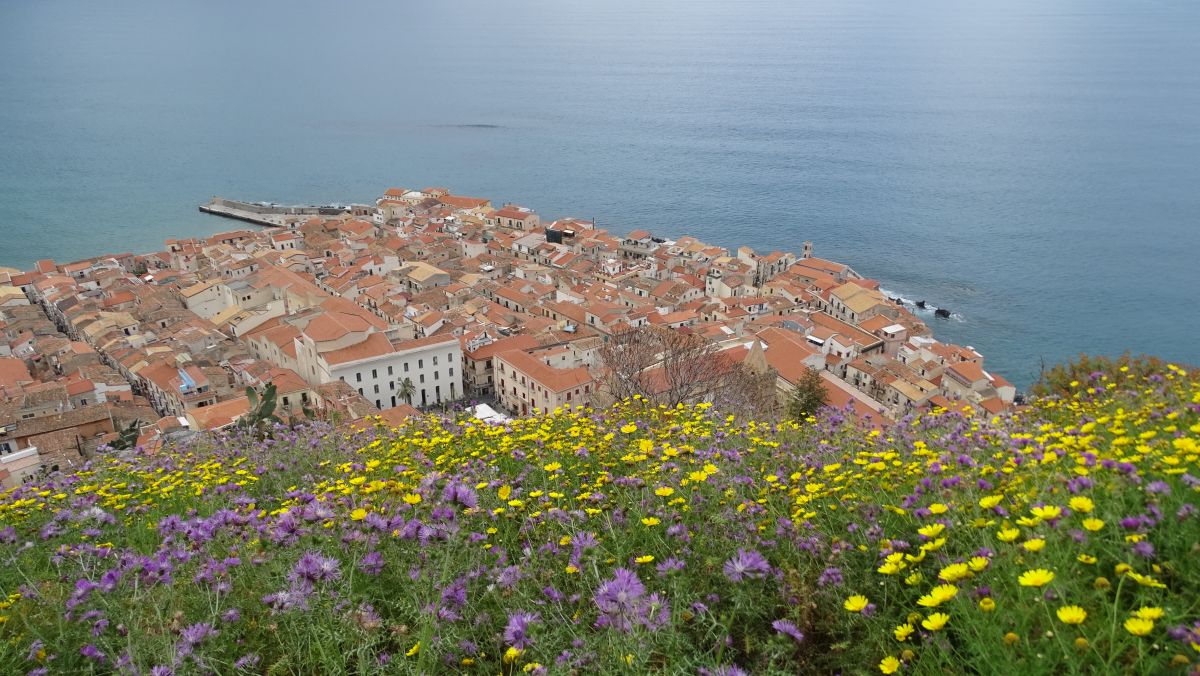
column 1032, row 166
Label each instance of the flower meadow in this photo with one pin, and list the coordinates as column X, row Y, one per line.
column 1061, row 540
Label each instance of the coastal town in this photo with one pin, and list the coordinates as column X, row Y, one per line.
column 424, row 301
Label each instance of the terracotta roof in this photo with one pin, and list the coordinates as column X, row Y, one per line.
column 281, row 335
column 440, row 339
column 80, row 386
column 331, row 326
column 968, row 372
column 60, row 421
column 553, row 379
column 397, row 415
column 786, row 352
column 510, row 212
column 876, row 323
column 463, row 202
column 375, row 345
column 853, row 333
column 13, row 372
column 521, row 342
column 220, row 414
column 992, row 405
column 840, row 394
column 285, row 381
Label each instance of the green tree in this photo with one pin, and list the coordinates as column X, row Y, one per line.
column 808, row 396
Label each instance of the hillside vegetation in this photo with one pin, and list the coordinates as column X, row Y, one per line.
column 631, row 540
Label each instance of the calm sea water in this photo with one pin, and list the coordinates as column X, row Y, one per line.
column 1033, row 166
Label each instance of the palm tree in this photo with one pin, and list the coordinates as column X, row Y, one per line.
column 406, row 390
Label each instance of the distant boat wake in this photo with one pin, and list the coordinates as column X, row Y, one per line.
column 468, row 126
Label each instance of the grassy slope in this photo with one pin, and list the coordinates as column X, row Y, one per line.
column 413, row 550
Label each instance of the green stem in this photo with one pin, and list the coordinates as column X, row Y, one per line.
column 1112, row 633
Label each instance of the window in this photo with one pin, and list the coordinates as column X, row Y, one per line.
column 360, row 390
column 435, row 361
column 406, row 367
column 451, row 371
column 376, row 389
column 420, row 363
column 436, row 374
column 358, row 377
column 389, row 369
column 422, row 377
column 374, row 373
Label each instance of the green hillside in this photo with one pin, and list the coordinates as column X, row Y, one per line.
column 632, row 540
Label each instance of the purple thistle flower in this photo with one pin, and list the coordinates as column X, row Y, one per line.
column 1158, row 488
column 509, row 576
column 372, row 563
column 516, row 632
column 622, row 604
column 91, row 652
column 746, row 563
column 618, row 600
column 830, row 577
column 788, row 628
column 315, row 567
column 455, row 595
column 669, row 565
column 290, row 599
column 34, row 649
column 1144, row 549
